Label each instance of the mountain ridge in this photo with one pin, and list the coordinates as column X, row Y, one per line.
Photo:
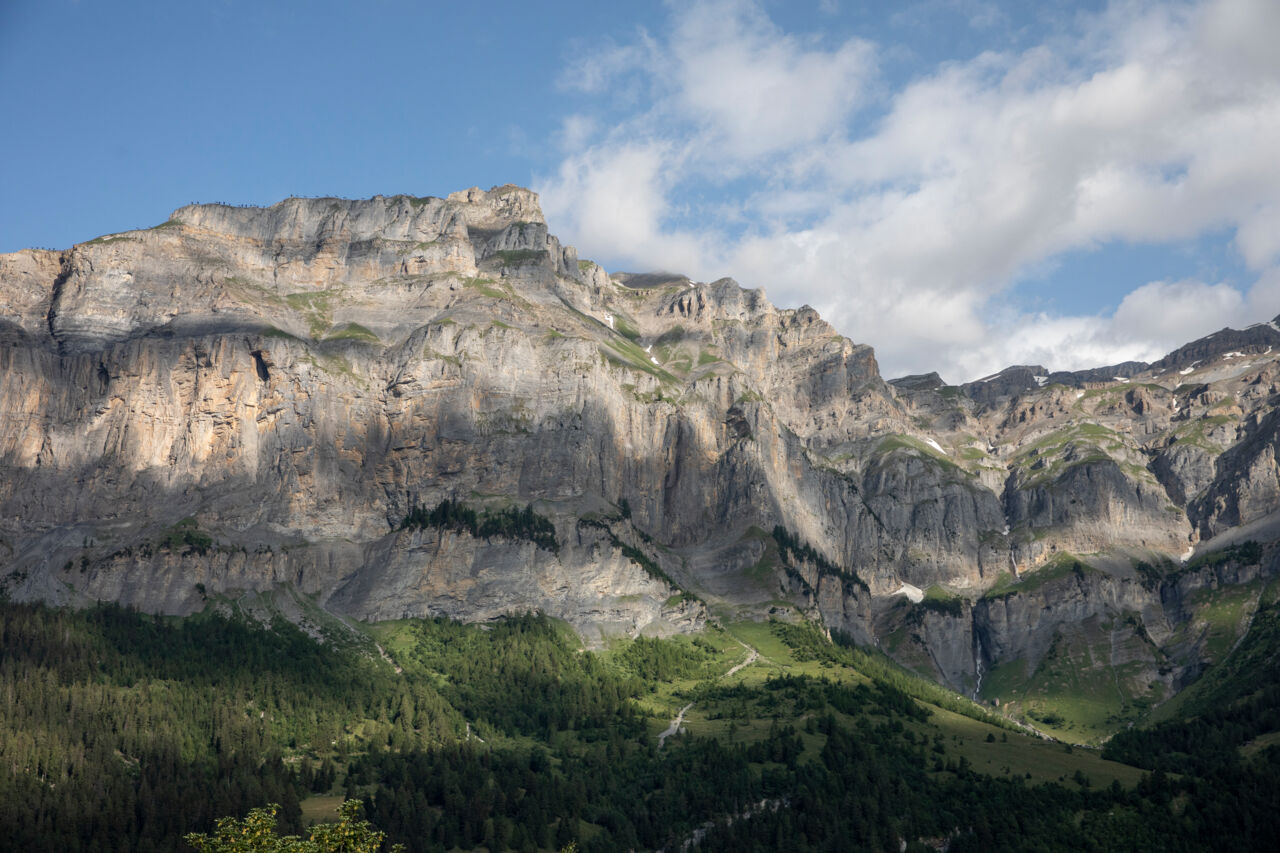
column 253, row 399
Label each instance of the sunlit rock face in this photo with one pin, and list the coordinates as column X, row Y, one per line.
column 247, row 400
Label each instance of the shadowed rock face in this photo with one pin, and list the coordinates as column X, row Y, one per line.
column 245, row 399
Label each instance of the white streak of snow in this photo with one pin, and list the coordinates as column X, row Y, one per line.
column 1185, row 371
column 935, row 445
column 1079, row 394
column 1119, row 379
column 913, row 593
column 1233, row 355
column 608, row 318
column 1040, row 380
column 1191, row 549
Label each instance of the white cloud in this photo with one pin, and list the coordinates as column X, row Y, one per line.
column 1176, row 312
column 1148, row 123
column 753, row 90
column 595, row 68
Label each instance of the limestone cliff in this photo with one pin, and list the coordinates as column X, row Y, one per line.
column 241, row 399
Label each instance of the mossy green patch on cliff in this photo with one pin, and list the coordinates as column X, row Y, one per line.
column 273, row 332
column 510, row 523
column 940, row 600
column 108, row 239
column 1247, row 553
column 488, row 287
column 670, row 337
column 254, row 293
column 898, row 443
column 316, row 308
column 1056, row 568
column 333, row 365
column 626, row 327
column 627, row 354
column 186, row 537
column 1088, row 433
column 518, row 257
column 352, row 332
column 1221, row 616
column 1196, row 432
column 1045, row 470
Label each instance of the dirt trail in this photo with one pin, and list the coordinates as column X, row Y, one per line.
column 752, row 657
column 675, row 725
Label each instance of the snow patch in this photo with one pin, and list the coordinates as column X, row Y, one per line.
column 1185, row 371
column 913, row 593
column 1079, row 394
column 1040, row 380
column 1191, row 549
column 1233, row 355
column 1272, row 324
column 608, row 318
column 649, row 349
column 935, row 446
column 1005, row 532
column 1119, row 379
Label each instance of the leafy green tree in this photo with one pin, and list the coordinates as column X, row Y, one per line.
column 257, row 834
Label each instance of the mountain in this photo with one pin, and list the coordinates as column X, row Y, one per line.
column 406, row 406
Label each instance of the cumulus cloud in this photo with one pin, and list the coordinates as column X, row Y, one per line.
column 906, row 215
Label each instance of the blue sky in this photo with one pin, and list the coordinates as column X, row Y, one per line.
column 962, row 184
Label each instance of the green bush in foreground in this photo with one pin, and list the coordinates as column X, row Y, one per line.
column 257, row 834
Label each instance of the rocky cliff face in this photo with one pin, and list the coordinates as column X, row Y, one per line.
column 246, row 399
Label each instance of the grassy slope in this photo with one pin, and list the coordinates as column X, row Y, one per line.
column 1010, row 753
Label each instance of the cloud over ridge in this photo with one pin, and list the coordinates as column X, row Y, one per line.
column 906, row 212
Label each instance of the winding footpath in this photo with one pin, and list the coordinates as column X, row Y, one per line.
column 675, row 725
column 752, row 657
